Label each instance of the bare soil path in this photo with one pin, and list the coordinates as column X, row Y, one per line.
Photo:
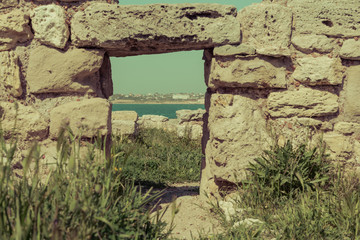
column 193, row 215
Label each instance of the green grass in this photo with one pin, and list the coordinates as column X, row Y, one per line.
column 83, row 197
column 297, row 194
column 157, row 157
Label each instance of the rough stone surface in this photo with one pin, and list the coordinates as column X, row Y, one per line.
column 231, row 50
column 125, row 116
column 153, row 121
column 324, row 17
column 351, row 94
column 192, row 131
column 54, row 71
column 267, row 27
column 124, row 122
column 8, row 3
column 123, row 127
column 256, row 72
column 319, row 71
column 10, row 73
column 86, row 118
column 304, row 102
column 238, row 134
column 308, row 43
column 350, row 49
column 186, row 115
column 347, row 127
column 133, row 30
column 339, row 146
column 31, row 125
column 48, row 22
column 14, row 28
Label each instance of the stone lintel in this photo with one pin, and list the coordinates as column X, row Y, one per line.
column 148, row 29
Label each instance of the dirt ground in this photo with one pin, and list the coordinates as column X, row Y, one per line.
column 193, row 215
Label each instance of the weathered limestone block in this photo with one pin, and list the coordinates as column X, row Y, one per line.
column 153, row 121
column 125, row 116
column 327, row 17
column 347, row 127
column 14, row 28
column 309, row 122
column 304, row 102
column 192, row 131
column 340, row 147
column 8, row 3
column 86, row 118
column 267, row 27
column 308, row 43
column 319, row 71
column 10, row 73
column 231, row 50
column 350, row 49
column 266, row 72
column 124, row 122
column 238, row 134
column 186, row 115
column 48, row 22
column 351, row 94
column 123, row 127
column 31, row 125
column 134, row 29
column 75, row 70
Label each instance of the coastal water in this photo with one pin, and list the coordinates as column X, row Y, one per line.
column 167, row 110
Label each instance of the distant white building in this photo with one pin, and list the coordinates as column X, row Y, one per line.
column 180, row 96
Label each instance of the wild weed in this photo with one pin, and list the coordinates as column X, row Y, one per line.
column 83, row 198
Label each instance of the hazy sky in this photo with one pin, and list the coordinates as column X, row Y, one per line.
column 164, row 73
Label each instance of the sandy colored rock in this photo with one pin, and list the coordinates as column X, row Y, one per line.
column 305, row 102
column 308, row 43
column 48, row 22
column 123, row 127
column 309, row 122
column 339, row 146
column 267, row 27
column 338, row 18
column 153, row 121
column 124, row 122
column 10, row 73
column 125, row 116
column 75, row 70
column 134, row 29
column 231, row 50
column 192, row 131
column 14, row 28
column 319, row 71
column 350, row 49
column 265, row 72
column 30, row 124
column 86, row 118
column 8, row 3
column 347, row 127
column 351, row 94
column 186, row 115
column 238, row 134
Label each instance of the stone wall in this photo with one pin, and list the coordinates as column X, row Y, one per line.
column 294, row 77
column 281, row 69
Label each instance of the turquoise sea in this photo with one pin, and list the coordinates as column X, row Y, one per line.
column 167, row 110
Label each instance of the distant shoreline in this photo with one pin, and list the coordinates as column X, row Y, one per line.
column 154, row 102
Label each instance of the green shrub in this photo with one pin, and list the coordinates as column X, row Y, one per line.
column 287, row 170
column 158, row 157
column 83, row 198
